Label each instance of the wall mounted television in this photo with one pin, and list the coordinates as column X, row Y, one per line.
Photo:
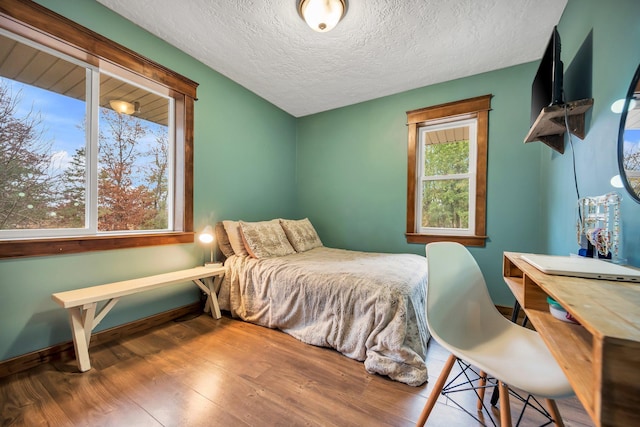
column 546, row 89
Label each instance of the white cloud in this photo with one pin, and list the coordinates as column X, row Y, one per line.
column 59, row 161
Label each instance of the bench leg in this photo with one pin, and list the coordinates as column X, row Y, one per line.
column 211, row 305
column 81, row 320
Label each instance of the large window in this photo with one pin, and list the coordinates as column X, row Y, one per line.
column 446, row 184
column 95, row 149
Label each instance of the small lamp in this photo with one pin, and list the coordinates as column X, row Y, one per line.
column 206, row 236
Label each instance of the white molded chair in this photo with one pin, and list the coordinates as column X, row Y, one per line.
column 463, row 319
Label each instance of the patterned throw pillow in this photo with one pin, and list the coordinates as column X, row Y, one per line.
column 301, row 234
column 265, row 239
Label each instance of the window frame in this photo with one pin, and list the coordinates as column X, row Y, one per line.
column 469, row 176
column 47, row 28
column 451, row 112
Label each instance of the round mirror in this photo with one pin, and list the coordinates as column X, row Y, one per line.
column 629, row 139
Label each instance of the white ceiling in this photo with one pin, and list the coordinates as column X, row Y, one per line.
column 381, row 47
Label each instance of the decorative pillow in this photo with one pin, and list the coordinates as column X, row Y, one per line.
column 301, row 234
column 223, row 240
column 265, row 239
column 235, row 237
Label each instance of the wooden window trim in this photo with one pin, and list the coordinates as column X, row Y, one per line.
column 479, row 106
column 48, row 28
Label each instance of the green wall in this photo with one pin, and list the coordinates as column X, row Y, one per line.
column 244, row 167
column 346, row 170
column 352, row 161
column 352, row 170
column 601, row 51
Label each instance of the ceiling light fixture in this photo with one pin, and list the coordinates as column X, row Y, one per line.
column 124, row 107
column 322, row 15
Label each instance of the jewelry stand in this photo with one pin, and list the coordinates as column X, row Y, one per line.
column 599, row 222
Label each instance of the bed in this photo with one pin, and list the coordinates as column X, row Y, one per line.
column 368, row 306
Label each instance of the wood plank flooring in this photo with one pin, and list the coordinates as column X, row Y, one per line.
column 198, row 371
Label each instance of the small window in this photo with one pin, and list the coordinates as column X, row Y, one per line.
column 447, row 172
column 447, row 182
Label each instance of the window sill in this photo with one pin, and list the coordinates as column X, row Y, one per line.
column 430, row 238
column 72, row 245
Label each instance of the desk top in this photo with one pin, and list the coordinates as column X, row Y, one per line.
column 604, row 307
column 601, row 356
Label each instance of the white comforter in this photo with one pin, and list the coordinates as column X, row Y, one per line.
column 368, row 306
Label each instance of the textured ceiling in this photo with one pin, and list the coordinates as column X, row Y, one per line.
column 381, row 47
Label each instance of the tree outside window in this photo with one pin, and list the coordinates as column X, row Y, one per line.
column 448, row 154
column 631, row 158
column 78, row 172
column 44, row 187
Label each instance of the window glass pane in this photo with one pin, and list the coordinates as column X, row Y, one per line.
column 134, row 162
column 446, row 151
column 42, row 139
column 631, row 158
column 445, row 203
column 48, row 177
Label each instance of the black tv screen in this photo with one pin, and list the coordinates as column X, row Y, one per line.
column 546, row 89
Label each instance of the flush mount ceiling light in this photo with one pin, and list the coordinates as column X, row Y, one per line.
column 322, row 15
column 124, row 107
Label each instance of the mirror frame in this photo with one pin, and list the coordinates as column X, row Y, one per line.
column 623, row 120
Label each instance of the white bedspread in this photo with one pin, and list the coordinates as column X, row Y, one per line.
column 368, row 306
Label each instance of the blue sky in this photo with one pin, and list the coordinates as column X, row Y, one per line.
column 62, row 119
column 632, row 140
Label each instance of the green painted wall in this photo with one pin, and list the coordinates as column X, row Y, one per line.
column 352, row 170
column 346, row 170
column 244, row 168
column 600, row 50
column 352, row 161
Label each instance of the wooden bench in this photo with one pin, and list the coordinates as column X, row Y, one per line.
column 82, row 304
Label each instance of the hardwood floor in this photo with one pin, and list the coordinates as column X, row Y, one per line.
column 201, row 372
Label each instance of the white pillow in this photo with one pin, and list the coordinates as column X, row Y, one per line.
column 235, row 237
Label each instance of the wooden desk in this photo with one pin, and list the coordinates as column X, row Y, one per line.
column 82, row 304
column 601, row 356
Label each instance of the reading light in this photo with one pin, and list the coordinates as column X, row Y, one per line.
column 618, row 105
column 124, row 107
column 206, row 236
column 322, row 15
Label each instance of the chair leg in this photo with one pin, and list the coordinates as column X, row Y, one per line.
column 505, row 408
column 437, row 388
column 555, row 413
column 482, row 382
